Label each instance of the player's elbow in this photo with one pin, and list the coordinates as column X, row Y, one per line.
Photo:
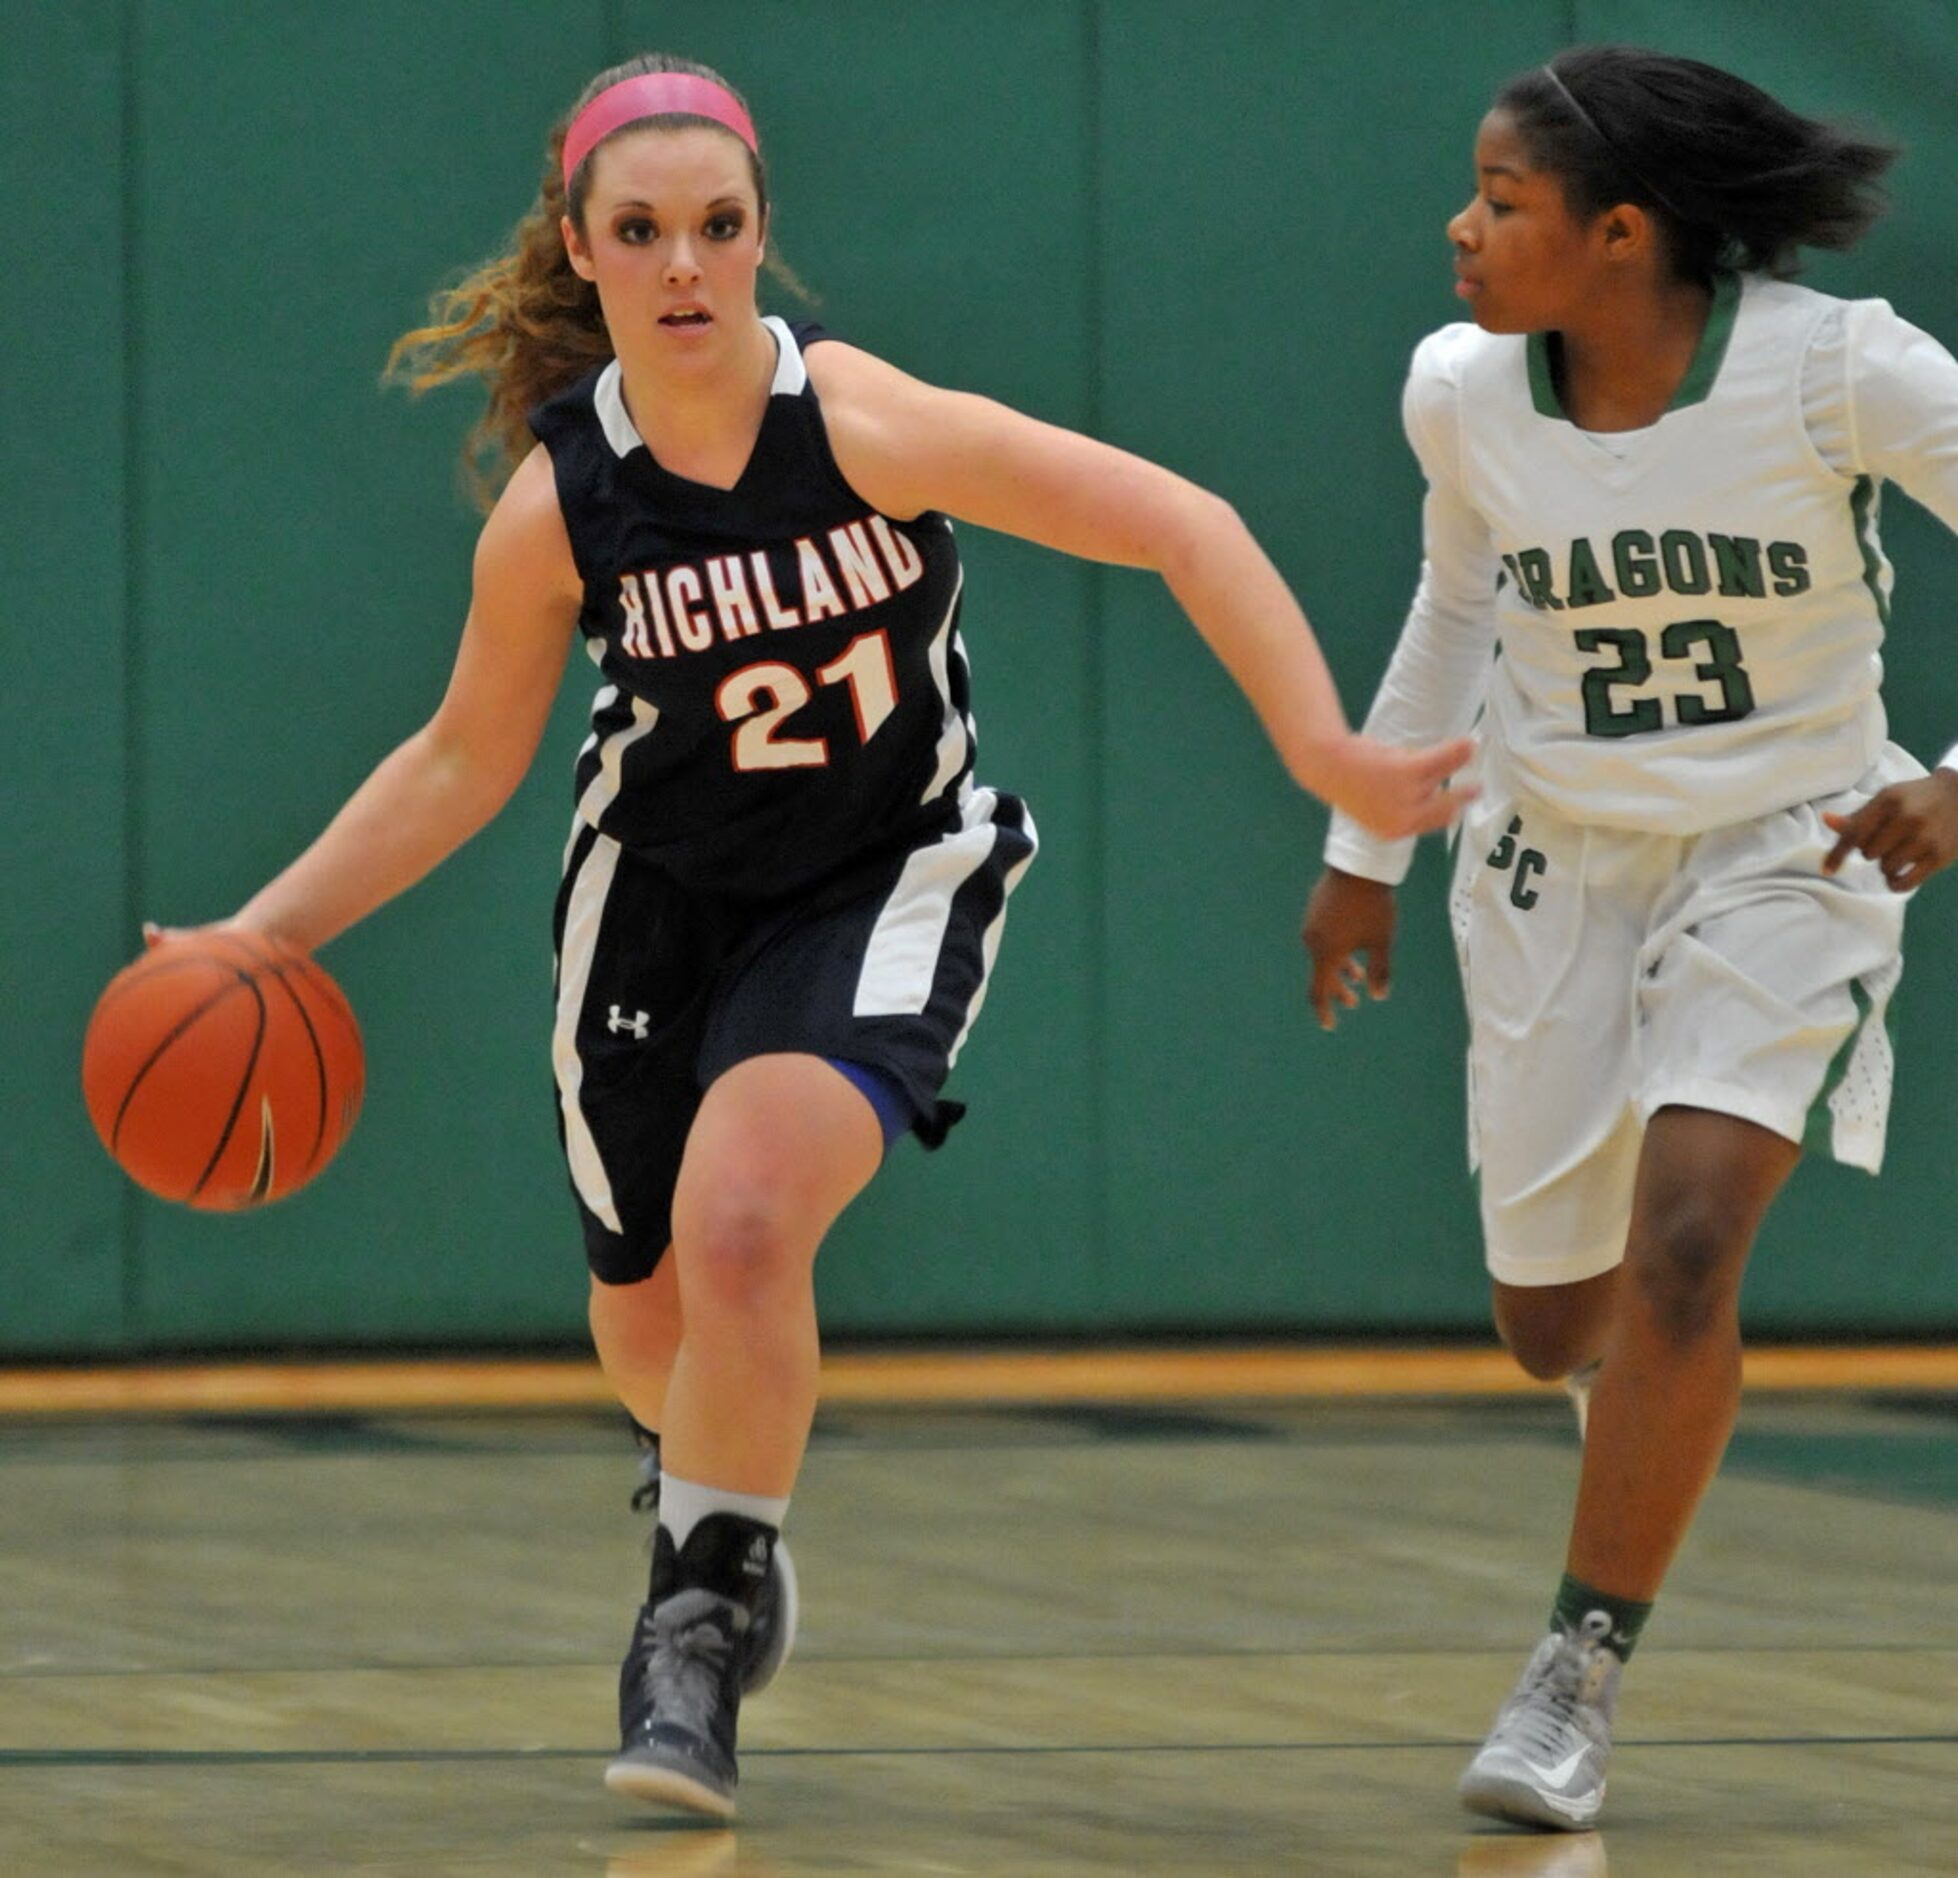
column 1197, row 527
column 472, row 776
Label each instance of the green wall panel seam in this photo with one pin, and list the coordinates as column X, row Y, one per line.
column 133, row 796
column 1095, row 671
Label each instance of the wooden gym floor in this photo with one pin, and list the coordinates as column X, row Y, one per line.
column 1229, row 1633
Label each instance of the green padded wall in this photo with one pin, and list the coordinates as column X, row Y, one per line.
column 305, row 175
column 235, row 569
column 65, row 707
column 1258, row 323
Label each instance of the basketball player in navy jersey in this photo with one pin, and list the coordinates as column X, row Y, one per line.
column 784, row 887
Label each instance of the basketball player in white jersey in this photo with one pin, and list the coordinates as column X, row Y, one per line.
column 1652, row 567
column 784, row 888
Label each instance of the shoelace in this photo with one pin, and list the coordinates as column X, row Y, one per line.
column 1546, row 1708
column 688, row 1665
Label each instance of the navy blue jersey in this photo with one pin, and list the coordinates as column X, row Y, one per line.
column 785, row 692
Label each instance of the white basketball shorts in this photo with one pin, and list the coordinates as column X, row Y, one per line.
column 1609, row 973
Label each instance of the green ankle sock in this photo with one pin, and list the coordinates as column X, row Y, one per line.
column 1576, row 1600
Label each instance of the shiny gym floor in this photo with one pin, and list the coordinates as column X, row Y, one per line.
column 1233, row 1637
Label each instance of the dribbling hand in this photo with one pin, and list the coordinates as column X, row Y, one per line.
column 1909, row 829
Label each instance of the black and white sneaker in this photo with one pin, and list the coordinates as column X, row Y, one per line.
column 680, row 1684
column 771, row 1624
column 771, row 1631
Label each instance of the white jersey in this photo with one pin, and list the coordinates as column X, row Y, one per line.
column 1676, row 628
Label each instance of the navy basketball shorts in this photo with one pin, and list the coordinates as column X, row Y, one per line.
column 662, row 989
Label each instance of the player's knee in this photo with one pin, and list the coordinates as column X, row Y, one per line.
column 1544, row 1346
column 1553, row 1329
column 742, row 1246
column 1547, row 1355
column 1686, row 1265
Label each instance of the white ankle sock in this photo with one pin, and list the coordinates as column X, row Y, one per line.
column 683, row 1504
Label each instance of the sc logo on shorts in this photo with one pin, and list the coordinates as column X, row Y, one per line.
column 1526, row 861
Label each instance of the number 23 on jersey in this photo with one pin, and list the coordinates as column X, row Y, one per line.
column 1714, row 651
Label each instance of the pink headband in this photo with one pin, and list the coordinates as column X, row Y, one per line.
column 653, row 94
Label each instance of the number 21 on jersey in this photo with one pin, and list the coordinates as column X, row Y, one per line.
column 758, row 699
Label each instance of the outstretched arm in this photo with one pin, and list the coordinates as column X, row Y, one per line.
column 442, row 784
column 906, row 447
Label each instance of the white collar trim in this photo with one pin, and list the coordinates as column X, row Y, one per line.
column 790, row 372
column 608, row 395
column 608, row 398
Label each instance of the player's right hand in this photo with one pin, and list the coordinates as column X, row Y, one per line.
column 1347, row 916
column 1392, row 792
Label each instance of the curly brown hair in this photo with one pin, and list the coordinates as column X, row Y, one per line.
column 525, row 322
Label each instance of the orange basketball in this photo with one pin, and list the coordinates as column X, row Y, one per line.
column 222, row 1071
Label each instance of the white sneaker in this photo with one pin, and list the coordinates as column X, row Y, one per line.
column 1544, row 1761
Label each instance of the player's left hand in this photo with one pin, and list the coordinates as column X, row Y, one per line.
column 1909, row 829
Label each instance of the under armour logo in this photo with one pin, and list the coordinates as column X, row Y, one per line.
column 755, row 1565
column 640, row 1023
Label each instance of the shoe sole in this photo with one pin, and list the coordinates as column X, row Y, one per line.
column 667, row 1786
column 757, row 1675
column 1523, row 1805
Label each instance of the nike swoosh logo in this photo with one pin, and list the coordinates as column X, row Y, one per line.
column 1559, row 1776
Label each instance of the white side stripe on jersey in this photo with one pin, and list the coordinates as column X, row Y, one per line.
column 952, row 739
column 901, row 960
column 604, row 787
column 605, row 696
column 989, row 945
column 583, row 916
